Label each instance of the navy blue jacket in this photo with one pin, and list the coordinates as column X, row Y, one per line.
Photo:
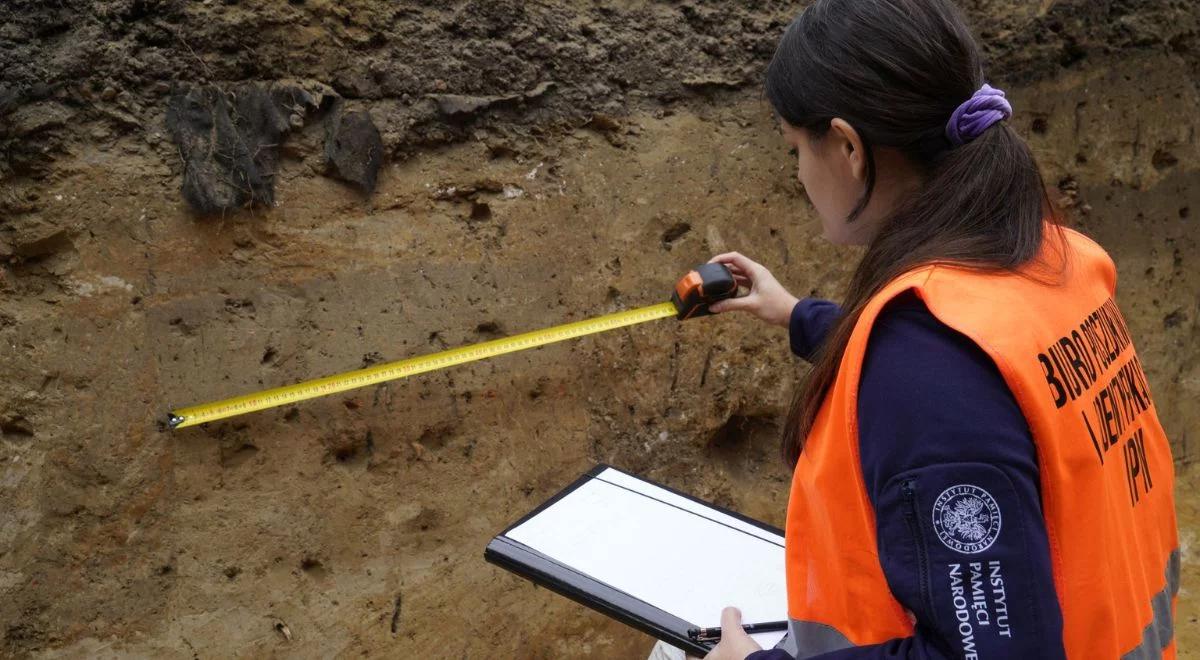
column 935, row 415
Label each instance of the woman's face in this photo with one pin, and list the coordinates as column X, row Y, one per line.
column 832, row 170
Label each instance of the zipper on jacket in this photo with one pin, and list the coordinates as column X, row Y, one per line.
column 911, row 516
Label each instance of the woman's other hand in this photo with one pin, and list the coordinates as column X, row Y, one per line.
column 767, row 300
column 735, row 644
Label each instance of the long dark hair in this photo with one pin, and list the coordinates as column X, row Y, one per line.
column 896, row 70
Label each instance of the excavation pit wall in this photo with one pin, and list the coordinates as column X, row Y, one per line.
column 355, row 524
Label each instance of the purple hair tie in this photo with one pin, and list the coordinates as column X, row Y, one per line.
column 985, row 107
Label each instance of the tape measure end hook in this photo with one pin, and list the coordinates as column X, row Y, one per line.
column 173, row 422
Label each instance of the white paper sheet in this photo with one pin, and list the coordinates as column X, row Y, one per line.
column 675, row 554
column 768, row 640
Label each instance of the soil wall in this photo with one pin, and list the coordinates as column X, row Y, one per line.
column 542, row 162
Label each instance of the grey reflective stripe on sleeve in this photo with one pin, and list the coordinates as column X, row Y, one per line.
column 1158, row 633
column 805, row 639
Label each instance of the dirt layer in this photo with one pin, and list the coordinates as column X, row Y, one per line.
column 354, row 525
column 438, row 72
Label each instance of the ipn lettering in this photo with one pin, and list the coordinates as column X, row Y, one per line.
column 1137, row 466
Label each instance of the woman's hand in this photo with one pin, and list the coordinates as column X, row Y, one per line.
column 735, row 644
column 767, row 300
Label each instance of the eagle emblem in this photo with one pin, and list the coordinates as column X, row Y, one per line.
column 966, row 518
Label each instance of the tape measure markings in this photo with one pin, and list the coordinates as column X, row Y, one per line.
column 310, row 389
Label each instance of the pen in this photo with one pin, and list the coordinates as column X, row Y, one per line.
column 713, row 634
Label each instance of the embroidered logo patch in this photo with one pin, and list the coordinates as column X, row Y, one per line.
column 966, row 518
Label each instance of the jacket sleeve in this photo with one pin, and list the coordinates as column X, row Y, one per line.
column 951, row 469
column 810, row 322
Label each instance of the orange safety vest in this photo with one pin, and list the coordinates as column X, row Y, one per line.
column 1107, row 481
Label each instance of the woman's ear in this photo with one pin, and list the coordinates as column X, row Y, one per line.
column 850, row 147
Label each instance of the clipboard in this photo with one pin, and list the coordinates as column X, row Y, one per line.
column 619, row 560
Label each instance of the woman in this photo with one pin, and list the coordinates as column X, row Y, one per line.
column 978, row 468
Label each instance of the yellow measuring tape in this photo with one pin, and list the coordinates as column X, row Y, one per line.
column 309, row 389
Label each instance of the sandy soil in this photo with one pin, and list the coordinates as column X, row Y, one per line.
column 358, row 521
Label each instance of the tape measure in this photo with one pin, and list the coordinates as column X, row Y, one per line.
column 691, row 297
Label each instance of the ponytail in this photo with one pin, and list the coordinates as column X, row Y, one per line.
column 897, row 71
